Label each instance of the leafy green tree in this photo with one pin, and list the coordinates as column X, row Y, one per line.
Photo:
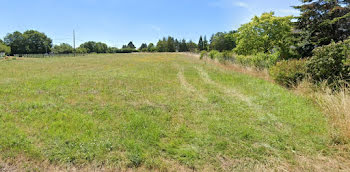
column 162, row 45
column 320, row 22
column 222, row 41
column 63, row 48
column 81, row 50
column 16, row 42
column 112, row 50
column 36, row 42
column 30, row 42
column 265, row 34
column 101, row 47
column 95, row 47
column 151, row 47
column 4, row 48
column 89, row 46
column 192, row 47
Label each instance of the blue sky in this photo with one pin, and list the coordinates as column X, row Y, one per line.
column 116, row 22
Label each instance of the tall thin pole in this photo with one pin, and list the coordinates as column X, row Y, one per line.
column 74, row 41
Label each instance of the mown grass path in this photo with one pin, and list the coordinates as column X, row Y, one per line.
column 155, row 111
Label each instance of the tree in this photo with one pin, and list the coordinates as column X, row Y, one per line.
column 4, row 48
column 177, row 45
column 81, row 50
column 143, row 47
column 205, row 44
column 222, row 41
column 95, row 47
column 192, row 47
column 320, row 22
column 162, row 45
column 183, row 46
column 200, row 44
column 131, row 45
column 36, row 42
column 16, row 42
column 112, row 50
column 30, row 42
column 171, row 44
column 101, row 47
column 265, row 34
column 89, row 46
column 63, row 49
column 151, row 47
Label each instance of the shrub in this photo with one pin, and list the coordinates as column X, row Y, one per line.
column 213, row 53
column 126, row 50
column 288, row 73
column 260, row 60
column 81, row 50
column 330, row 63
column 203, row 54
column 224, row 56
column 264, row 60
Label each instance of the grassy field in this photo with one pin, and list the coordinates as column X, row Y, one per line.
column 152, row 111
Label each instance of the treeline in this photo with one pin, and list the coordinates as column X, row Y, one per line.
column 314, row 45
column 35, row 42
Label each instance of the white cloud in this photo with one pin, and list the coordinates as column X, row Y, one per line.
column 241, row 4
column 155, row 28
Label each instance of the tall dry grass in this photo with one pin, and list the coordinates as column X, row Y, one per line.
column 334, row 104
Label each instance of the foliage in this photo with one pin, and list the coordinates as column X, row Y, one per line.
column 166, row 45
column 4, row 48
column 170, row 44
column 265, row 34
column 289, row 72
column 322, row 21
column 95, row 47
column 330, row 63
column 81, row 50
column 183, row 46
column 131, row 45
column 63, row 49
column 192, row 47
column 143, row 47
column 259, row 61
column 203, row 44
column 203, row 54
column 126, row 50
column 224, row 56
column 112, row 50
column 151, row 47
column 30, row 42
column 222, row 41
column 213, row 54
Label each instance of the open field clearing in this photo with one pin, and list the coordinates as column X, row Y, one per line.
column 154, row 112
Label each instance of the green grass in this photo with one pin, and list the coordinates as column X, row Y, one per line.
column 154, row 111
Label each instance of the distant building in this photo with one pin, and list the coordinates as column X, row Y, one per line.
column 2, row 55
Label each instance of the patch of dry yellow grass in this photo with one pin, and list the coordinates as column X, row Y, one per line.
column 335, row 104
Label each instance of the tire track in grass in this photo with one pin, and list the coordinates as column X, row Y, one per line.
column 229, row 91
column 263, row 115
column 187, row 86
